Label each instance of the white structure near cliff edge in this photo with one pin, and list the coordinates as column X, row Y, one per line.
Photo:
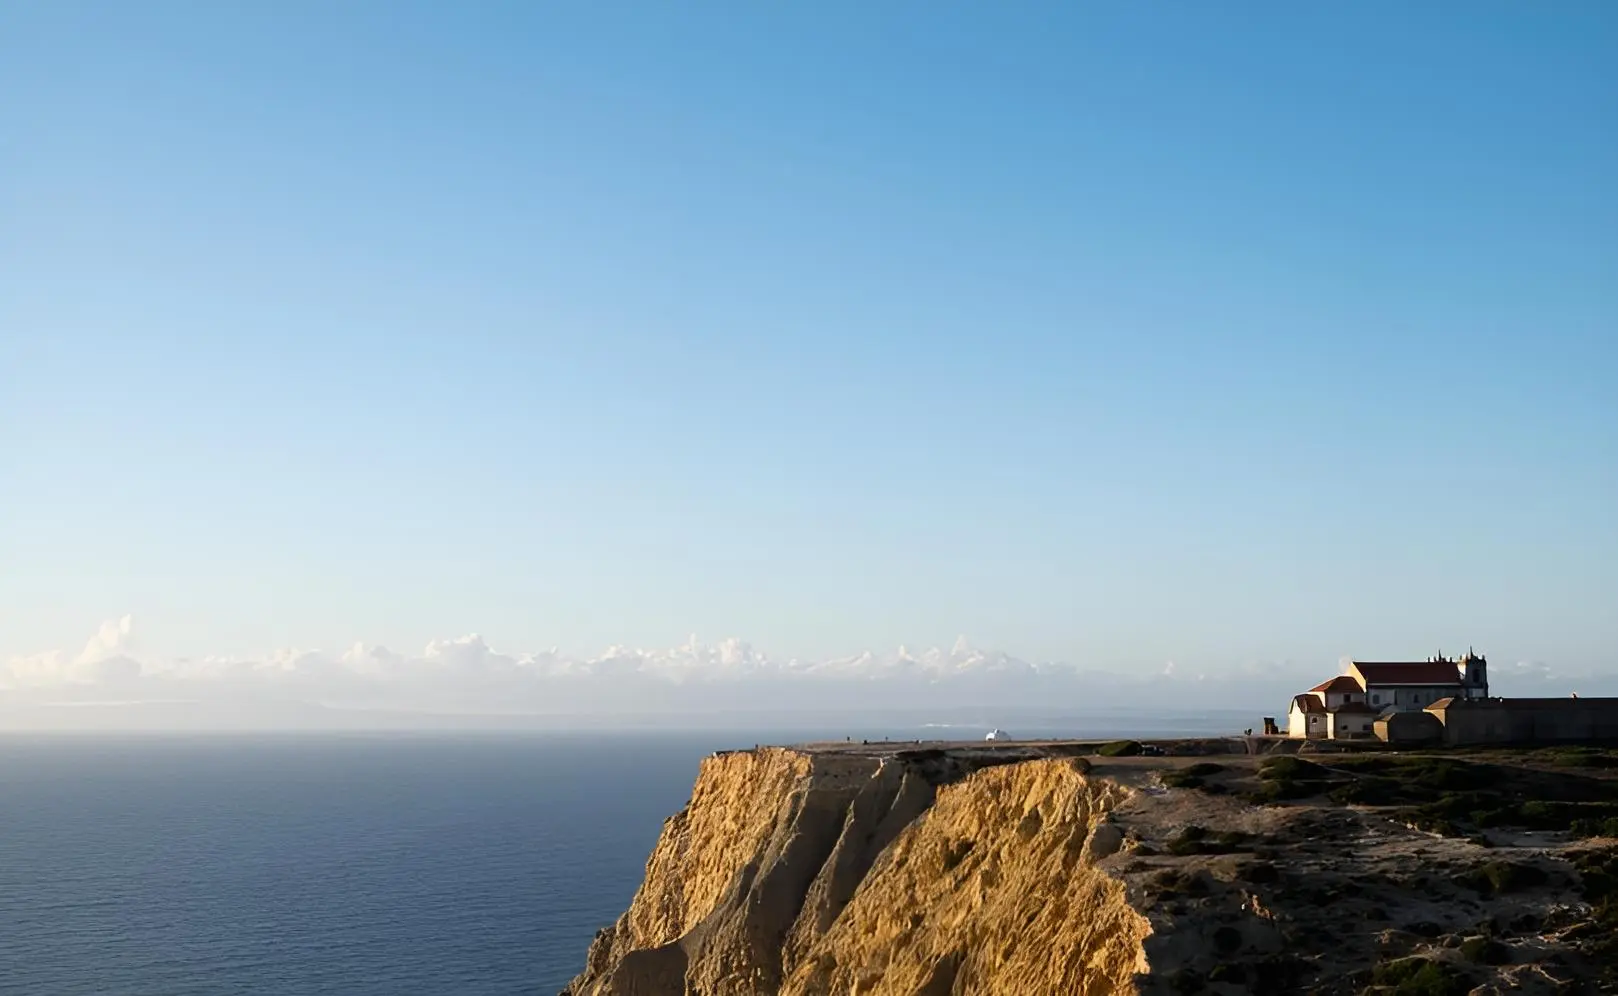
column 998, row 735
column 1348, row 706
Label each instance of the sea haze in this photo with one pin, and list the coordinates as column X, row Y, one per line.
column 355, row 864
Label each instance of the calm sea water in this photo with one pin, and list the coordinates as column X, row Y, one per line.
column 357, row 865
column 362, row 865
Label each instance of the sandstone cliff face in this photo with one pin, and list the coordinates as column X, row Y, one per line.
column 1022, row 870
column 918, row 872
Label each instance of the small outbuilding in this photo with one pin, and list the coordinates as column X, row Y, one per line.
column 1409, row 728
column 998, row 735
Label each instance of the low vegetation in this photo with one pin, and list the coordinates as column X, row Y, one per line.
column 1288, row 777
column 1421, row 977
column 1500, row 877
column 1194, row 776
column 1455, row 797
column 1577, row 757
column 1120, row 748
column 1598, row 884
column 1485, row 951
column 1198, row 840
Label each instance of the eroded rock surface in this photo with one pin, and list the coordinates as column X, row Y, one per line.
column 1026, row 869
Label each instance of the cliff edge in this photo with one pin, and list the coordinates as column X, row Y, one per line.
column 1028, row 869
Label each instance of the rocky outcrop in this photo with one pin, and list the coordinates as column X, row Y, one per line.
column 1024, row 870
column 921, row 871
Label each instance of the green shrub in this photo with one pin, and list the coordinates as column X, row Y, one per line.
column 1281, row 789
column 1369, row 790
column 1499, row 877
column 1598, row 874
column 1595, row 827
column 1421, row 977
column 1119, row 748
column 1288, row 777
column 1193, row 776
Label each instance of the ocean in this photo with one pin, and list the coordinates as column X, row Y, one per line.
column 378, row 864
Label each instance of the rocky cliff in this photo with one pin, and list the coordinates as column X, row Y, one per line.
column 1028, row 870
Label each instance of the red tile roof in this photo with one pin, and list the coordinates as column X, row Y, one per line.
column 1307, row 703
column 1341, row 683
column 1413, row 673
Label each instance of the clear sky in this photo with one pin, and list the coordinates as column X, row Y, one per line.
column 1107, row 333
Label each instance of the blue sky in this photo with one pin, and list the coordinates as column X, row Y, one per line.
column 1110, row 334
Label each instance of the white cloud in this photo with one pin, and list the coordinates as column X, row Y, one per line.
column 1527, row 671
column 114, row 638
column 467, row 675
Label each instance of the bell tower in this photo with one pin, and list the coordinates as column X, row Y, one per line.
column 1475, row 676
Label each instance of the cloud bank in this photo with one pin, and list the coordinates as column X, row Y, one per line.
column 467, row 677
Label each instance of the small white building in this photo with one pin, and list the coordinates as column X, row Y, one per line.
column 998, row 735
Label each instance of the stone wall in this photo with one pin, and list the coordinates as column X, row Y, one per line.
column 1525, row 721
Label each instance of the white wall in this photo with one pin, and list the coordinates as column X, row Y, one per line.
column 1408, row 698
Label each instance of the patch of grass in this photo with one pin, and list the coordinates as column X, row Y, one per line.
column 1578, row 757
column 1371, row 790
column 1290, row 766
column 1120, row 748
column 1485, row 951
column 1500, row 877
column 1421, row 977
column 1288, row 777
column 1193, row 776
column 1279, row 791
column 1422, row 772
column 1598, row 884
column 1450, row 811
column 1197, row 840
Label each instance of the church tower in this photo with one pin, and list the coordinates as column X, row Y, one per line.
column 1475, row 675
